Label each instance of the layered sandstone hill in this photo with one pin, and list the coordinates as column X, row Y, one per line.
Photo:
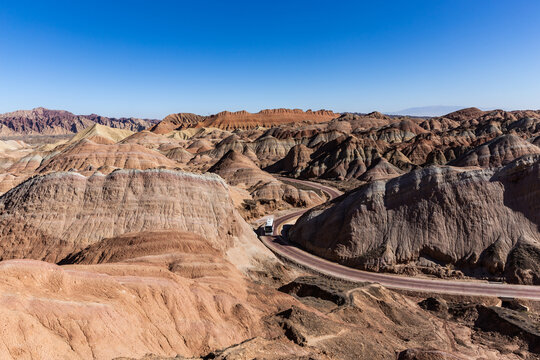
column 11, row 151
column 8, row 181
column 294, row 162
column 18, row 160
column 41, row 121
column 242, row 119
column 173, row 293
column 149, row 298
column 240, row 171
column 49, row 217
column 101, row 134
column 138, row 245
column 150, row 140
column 178, row 154
column 12, row 145
column 200, row 146
column 497, row 152
column 438, row 216
column 343, row 148
column 87, row 156
column 345, row 157
column 20, row 171
column 364, row 121
column 130, row 123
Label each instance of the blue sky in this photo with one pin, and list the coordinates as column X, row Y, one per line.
column 152, row 58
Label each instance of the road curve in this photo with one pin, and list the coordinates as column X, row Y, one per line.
column 283, row 247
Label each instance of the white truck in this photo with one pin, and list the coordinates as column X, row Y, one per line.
column 269, row 227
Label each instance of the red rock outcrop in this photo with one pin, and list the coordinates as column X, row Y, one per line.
column 266, row 118
column 243, row 120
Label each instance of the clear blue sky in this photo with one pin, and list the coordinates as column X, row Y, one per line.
column 151, row 58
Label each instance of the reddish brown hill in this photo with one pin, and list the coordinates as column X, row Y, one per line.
column 381, row 169
column 465, row 114
column 176, row 122
column 377, row 115
column 137, row 246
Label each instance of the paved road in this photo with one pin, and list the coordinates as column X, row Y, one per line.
column 283, row 247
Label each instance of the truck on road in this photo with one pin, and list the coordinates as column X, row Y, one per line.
column 269, row 227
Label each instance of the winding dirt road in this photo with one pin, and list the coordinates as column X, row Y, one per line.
column 281, row 246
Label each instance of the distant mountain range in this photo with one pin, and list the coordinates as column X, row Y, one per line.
column 41, row 121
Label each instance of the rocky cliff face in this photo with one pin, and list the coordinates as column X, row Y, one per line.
column 48, row 217
column 437, row 216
